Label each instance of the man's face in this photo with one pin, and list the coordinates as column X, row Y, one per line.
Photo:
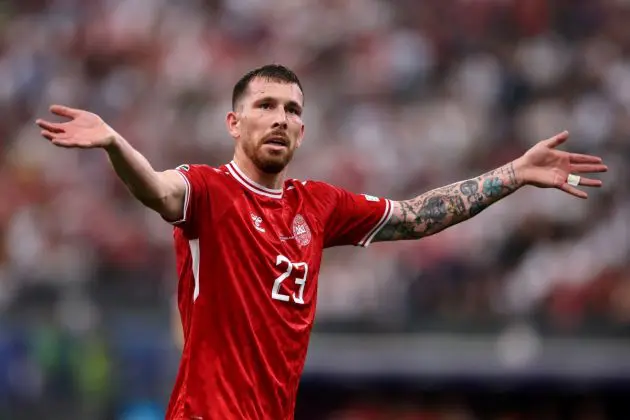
column 267, row 123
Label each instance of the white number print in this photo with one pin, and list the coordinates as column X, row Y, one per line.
column 301, row 282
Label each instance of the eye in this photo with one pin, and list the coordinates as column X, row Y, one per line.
column 265, row 105
column 295, row 111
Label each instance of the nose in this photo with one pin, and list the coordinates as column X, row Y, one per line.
column 280, row 120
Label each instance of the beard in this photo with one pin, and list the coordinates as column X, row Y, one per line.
column 267, row 161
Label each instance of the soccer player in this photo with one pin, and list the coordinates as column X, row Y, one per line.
column 249, row 241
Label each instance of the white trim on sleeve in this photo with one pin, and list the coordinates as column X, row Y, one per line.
column 186, row 198
column 387, row 214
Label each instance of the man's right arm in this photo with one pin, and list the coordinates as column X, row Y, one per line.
column 163, row 192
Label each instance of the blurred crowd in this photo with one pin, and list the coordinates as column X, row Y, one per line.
column 402, row 96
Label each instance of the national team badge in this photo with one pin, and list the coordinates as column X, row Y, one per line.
column 301, row 231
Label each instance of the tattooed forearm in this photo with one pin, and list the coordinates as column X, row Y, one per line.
column 438, row 209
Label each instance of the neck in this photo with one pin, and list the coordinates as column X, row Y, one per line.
column 273, row 181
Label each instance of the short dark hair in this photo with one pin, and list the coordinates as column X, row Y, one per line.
column 274, row 72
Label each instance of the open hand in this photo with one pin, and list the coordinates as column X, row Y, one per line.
column 84, row 130
column 546, row 167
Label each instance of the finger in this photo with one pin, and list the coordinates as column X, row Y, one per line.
column 588, row 168
column 64, row 111
column 47, row 134
column 49, row 126
column 579, row 158
column 61, row 143
column 590, row 182
column 558, row 139
column 50, row 135
column 64, row 142
column 573, row 191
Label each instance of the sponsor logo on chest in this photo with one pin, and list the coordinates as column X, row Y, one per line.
column 257, row 220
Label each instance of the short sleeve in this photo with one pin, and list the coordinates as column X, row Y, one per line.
column 196, row 200
column 354, row 219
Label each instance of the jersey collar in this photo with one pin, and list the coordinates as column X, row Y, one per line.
column 251, row 185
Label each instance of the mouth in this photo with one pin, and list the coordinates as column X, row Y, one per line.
column 278, row 141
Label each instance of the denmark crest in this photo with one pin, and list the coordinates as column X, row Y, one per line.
column 301, row 231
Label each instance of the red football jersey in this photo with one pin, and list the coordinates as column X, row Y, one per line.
column 248, row 258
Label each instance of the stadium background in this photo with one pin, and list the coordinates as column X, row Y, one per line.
column 520, row 314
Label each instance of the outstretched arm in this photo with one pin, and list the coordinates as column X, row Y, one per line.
column 542, row 166
column 163, row 192
column 438, row 209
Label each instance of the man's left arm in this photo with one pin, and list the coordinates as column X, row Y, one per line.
column 442, row 207
column 542, row 166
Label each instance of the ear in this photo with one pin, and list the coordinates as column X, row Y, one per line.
column 233, row 123
column 300, row 137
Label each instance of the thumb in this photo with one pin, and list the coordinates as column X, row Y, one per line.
column 557, row 140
